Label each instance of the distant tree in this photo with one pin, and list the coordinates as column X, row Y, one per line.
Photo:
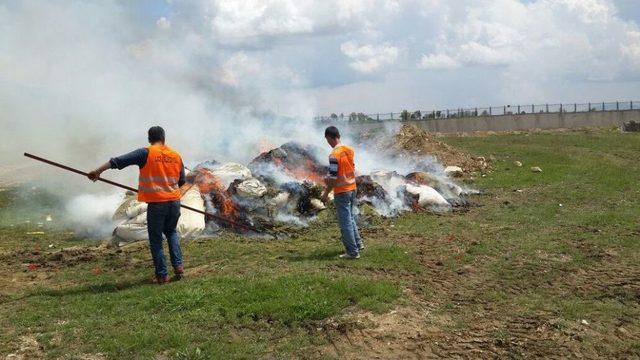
column 404, row 115
column 485, row 113
column 334, row 117
column 353, row 116
column 363, row 117
column 417, row 115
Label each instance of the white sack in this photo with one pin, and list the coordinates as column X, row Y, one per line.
column 427, row 196
column 131, row 217
column 229, row 172
column 251, row 189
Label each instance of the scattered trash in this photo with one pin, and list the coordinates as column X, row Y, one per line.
column 51, row 246
column 560, row 205
column 33, row 266
column 536, row 169
column 517, row 163
column 49, row 218
column 97, row 271
column 35, row 232
column 584, row 322
column 454, row 171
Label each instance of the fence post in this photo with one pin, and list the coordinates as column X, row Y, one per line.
column 589, row 107
column 547, row 105
column 391, row 116
column 377, row 117
column 575, row 107
column 631, row 105
column 533, row 108
column 603, row 106
column 490, row 111
column 447, row 113
column 504, row 110
column 617, row 105
column 518, row 109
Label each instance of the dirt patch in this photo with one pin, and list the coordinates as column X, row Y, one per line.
column 417, row 141
column 398, row 334
column 28, row 348
column 450, row 315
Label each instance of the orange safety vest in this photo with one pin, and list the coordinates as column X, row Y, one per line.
column 346, row 180
column 158, row 181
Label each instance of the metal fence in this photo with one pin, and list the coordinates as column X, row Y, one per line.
column 488, row 111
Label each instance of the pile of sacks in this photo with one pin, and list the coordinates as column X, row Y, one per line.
column 284, row 186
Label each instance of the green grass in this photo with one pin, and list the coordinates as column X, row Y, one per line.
column 515, row 256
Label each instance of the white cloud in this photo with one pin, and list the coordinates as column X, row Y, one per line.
column 244, row 71
column 163, row 23
column 369, row 58
column 250, row 18
column 250, row 21
column 566, row 38
column 438, row 61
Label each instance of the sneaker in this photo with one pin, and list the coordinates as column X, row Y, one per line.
column 361, row 247
column 349, row 257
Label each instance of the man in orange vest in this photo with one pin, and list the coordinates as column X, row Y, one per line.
column 342, row 180
column 161, row 175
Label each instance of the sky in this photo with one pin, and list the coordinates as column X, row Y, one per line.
column 296, row 57
column 385, row 55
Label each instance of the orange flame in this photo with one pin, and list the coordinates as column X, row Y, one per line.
column 211, row 184
column 304, row 172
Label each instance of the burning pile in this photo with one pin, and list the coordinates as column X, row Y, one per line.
column 284, row 185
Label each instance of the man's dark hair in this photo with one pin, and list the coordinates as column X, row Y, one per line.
column 332, row 132
column 156, row 133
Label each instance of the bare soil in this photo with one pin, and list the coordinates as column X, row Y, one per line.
column 417, row 141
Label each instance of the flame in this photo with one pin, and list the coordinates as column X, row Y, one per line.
column 305, row 172
column 212, row 185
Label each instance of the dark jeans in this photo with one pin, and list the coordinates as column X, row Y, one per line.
column 162, row 218
column 346, row 208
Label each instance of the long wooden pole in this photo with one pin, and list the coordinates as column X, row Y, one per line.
column 80, row 172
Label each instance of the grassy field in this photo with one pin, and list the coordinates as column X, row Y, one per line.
column 546, row 264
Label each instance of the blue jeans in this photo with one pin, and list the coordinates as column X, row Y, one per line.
column 346, row 205
column 162, row 218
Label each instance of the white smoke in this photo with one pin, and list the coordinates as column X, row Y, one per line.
column 81, row 82
column 92, row 214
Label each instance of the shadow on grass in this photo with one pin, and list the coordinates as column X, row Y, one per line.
column 108, row 287
column 323, row 255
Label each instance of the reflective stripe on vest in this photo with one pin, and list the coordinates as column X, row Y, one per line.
column 157, row 188
column 159, row 177
column 346, row 179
